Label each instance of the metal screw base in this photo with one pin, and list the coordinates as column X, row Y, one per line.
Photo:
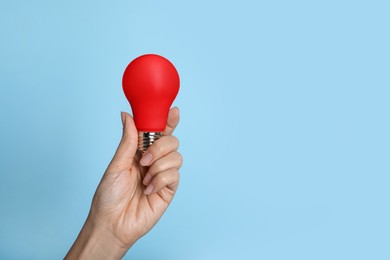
column 146, row 139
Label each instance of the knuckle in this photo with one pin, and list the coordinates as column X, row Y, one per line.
column 176, row 141
column 179, row 158
column 158, row 148
column 164, row 180
column 177, row 175
column 127, row 139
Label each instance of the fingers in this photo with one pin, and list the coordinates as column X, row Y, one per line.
column 127, row 148
column 172, row 121
column 160, row 148
column 169, row 178
column 173, row 160
column 163, row 158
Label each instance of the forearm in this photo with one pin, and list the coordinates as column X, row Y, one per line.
column 92, row 243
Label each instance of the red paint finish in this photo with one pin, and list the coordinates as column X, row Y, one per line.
column 151, row 84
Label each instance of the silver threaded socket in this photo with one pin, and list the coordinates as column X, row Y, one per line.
column 146, row 139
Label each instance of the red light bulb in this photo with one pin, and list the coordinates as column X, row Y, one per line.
column 150, row 83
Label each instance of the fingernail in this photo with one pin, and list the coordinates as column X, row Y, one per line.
column 123, row 118
column 148, row 189
column 146, row 159
column 147, row 179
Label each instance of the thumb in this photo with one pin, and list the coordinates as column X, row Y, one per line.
column 127, row 147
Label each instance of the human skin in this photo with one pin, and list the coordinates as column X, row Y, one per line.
column 133, row 194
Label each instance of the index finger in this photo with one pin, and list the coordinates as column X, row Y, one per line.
column 172, row 121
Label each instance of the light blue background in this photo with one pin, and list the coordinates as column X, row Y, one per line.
column 285, row 124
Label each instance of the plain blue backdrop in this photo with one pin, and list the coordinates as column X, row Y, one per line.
column 284, row 131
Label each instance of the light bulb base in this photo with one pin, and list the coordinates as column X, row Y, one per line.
column 146, row 139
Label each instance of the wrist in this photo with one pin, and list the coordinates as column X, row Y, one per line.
column 95, row 243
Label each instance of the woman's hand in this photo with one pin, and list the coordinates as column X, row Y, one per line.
column 132, row 195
